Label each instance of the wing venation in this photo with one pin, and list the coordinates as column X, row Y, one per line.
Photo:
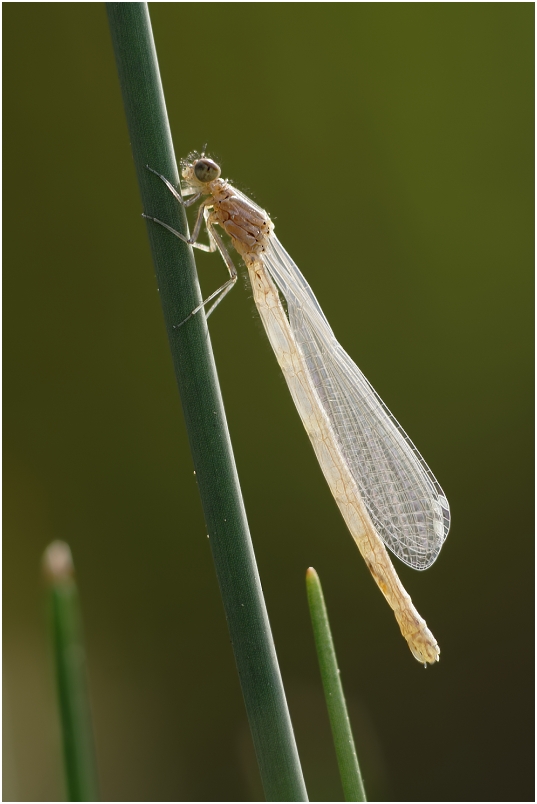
column 406, row 503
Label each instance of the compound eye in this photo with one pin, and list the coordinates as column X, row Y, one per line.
column 206, row 170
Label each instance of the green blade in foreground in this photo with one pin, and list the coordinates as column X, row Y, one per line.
column 71, row 677
column 349, row 769
column 203, row 408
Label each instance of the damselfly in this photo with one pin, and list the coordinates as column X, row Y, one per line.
column 384, row 489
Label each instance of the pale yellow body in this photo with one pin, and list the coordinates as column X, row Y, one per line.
column 420, row 640
column 249, row 227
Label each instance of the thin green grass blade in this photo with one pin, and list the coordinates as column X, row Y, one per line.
column 203, row 408
column 349, row 769
column 71, row 676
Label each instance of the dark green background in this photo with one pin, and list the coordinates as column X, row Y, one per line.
column 393, row 146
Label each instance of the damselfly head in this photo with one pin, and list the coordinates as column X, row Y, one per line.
column 200, row 170
column 206, row 170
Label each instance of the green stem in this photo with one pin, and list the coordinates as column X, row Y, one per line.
column 351, row 778
column 70, row 662
column 203, row 409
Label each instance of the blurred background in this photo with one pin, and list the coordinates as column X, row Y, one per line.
column 393, row 146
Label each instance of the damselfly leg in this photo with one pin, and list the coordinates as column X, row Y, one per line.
column 215, row 243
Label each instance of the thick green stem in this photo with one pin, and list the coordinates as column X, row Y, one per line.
column 70, row 663
column 203, row 408
column 349, row 770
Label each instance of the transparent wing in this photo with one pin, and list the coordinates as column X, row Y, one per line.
column 402, row 496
